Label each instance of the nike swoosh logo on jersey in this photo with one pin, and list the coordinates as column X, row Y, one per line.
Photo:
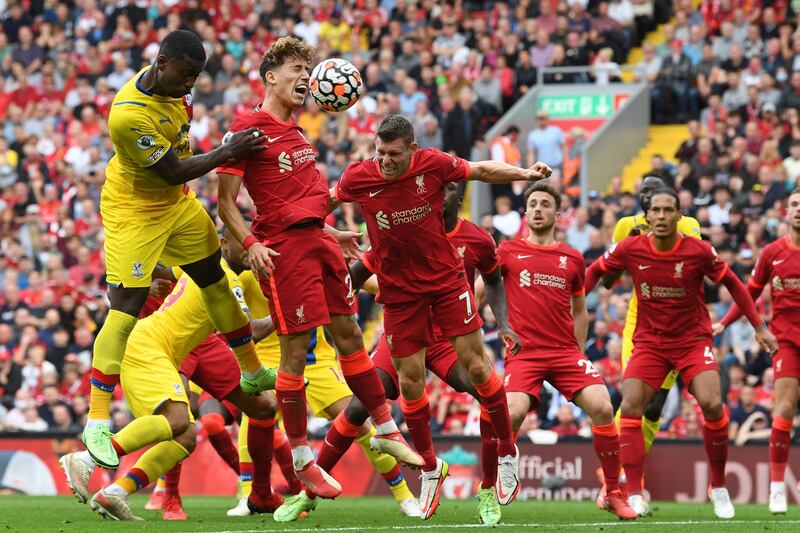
column 523, row 256
column 644, row 267
column 468, row 320
column 777, row 262
column 375, row 193
column 273, row 139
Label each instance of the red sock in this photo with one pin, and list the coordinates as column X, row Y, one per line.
column 362, row 378
column 715, row 438
column 118, row 448
column 291, row 394
column 493, row 397
column 418, row 419
column 779, row 445
column 606, row 446
column 338, row 440
column 172, row 479
column 260, row 436
column 631, row 445
column 214, row 424
column 488, row 451
column 283, row 454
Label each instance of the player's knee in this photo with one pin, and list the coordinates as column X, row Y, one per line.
column 260, row 408
column 411, row 387
column 347, row 335
column 177, row 415
column 602, row 413
column 478, row 370
column 630, row 408
column 711, row 407
column 355, row 411
column 784, row 409
column 188, row 439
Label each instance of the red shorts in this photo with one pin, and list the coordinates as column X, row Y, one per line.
column 652, row 364
column 786, row 363
column 569, row 372
column 232, row 409
column 440, row 358
column 213, row 367
column 409, row 325
column 310, row 282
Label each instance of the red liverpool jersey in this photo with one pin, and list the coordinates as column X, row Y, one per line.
column 779, row 267
column 540, row 283
column 282, row 180
column 412, row 255
column 669, row 287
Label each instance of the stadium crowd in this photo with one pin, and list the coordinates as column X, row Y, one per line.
column 453, row 68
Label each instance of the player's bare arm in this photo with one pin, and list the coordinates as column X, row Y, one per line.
column 745, row 302
column 580, row 316
column 260, row 256
column 496, row 297
column 348, row 240
column 499, row 172
column 175, row 171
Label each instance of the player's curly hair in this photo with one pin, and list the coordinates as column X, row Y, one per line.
column 544, row 186
column 281, row 51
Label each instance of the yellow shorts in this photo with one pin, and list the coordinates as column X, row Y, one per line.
column 134, row 242
column 627, row 352
column 149, row 377
column 326, row 384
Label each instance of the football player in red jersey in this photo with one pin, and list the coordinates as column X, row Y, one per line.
column 479, row 254
column 547, row 306
column 779, row 267
column 673, row 330
column 422, row 282
column 302, row 273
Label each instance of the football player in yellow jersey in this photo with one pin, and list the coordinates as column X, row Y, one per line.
column 157, row 394
column 327, row 396
column 149, row 214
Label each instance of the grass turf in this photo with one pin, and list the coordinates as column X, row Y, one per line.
column 63, row 514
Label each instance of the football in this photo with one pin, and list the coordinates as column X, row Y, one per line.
column 335, row 84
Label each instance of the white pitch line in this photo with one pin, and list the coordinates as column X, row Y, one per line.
column 619, row 523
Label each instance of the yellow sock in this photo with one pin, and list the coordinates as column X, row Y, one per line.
column 386, row 465
column 154, row 462
column 109, row 348
column 143, row 431
column 650, row 429
column 246, row 475
column 228, row 317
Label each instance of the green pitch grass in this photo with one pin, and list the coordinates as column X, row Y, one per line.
column 63, row 514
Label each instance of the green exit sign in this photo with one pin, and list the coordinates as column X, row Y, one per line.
column 575, row 106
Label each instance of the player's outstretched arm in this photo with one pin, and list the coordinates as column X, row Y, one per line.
column 176, row 171
column 735, row 313
column 499, row 172
column 593, row 275
column 748, row 307
column 260, row 256
column 496, row 297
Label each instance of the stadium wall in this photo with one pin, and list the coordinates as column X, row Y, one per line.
column 676, row 470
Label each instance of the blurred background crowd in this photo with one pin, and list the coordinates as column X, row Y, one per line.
column 453, row 68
